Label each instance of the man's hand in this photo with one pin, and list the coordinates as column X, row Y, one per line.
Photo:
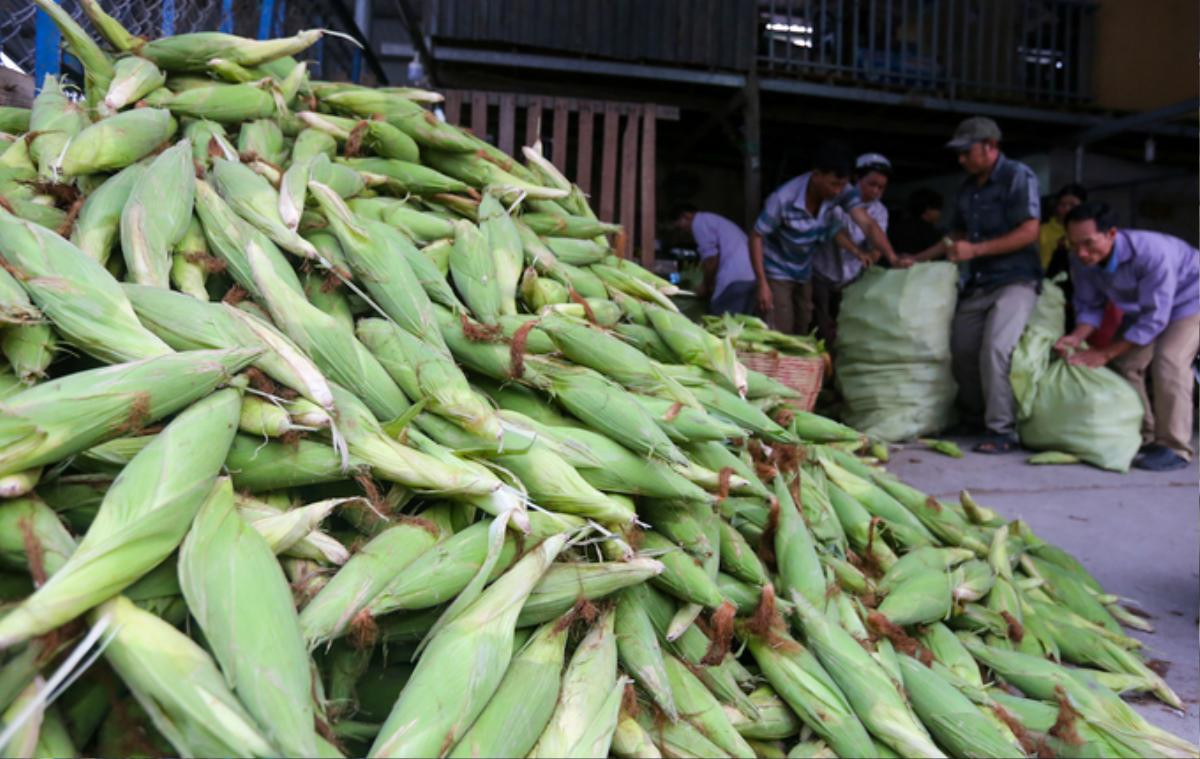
column 963, row 250
column 766, row 302
column 1067, row 343
column 1093, row 357
column 903, row 262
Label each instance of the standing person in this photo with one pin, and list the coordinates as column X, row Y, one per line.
column 994, row 230
column 919, row 227
column 797, row 220
column 1052, row 239
column 729, row 281
column 837, row 265
column 1155, row 280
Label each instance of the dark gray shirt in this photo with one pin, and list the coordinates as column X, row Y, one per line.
column 1009, row 197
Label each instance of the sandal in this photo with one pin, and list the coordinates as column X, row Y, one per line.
column 998, row 444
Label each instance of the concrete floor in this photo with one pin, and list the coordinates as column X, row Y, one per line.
column 1137, row 533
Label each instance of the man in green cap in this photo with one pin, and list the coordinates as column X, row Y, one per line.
column 993, row 230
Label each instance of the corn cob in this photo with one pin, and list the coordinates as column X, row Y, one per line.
column 586, row 685
column 631, row 740
column 14, row 120
column 473, row 269
column 134, row 531
column 192, row 52
column 116, row 142
column 64, row 416
column 432, row 713
column 421, row 226
column 523, row 703
column 507, row 251
column 54, row 120
column 775, row 721
column 409, row 117
column 904, row 525
column 29, row 349
column 479, row 172
column 578, row 227
column 189, row 269
column 953, row 720
column 699, row 707
column 331, row 613
column 220, row 561
column 566, row 583
column 866, row 685
column 152, row 658
column 133, row 79
column 262, row 139
column 157, row 214
column 722, row 403
column 554, row 483
column 402, row 177
column 638, row 649
column 254, row 199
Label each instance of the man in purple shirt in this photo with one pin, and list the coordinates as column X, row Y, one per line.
column 1155, row 280
column 729, row 280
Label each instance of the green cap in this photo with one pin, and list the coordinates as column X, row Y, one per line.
column 972, row 130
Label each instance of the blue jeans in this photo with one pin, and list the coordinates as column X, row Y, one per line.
column 735, row 298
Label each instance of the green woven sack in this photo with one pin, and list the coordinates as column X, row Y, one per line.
column 893, row 351
column 1091, row 413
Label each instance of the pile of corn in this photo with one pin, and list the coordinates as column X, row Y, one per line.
column 751, row 334
column 329, row 430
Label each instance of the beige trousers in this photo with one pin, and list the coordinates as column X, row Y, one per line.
column 793, row 306
column 1168, row 420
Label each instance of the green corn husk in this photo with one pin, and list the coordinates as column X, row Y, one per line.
column 157, row 214
column 507, row 251
column 432, row 712
column 540, row 292
column 29, row 349
column 578, row 227
column 424, row 227
column 954, row 721
column 738, row 557
column 565, row 583
column 682, row 576
column 375, row 253
column 253, row 198
column 921, row 599
column 424, row 372
column 258, row 466
column 722, row 403
column 262, row 139
column 699, row 707
column 14, row 120
column 133, row 531
column 152, row 658
column 631, row 740
column 866, row 685
column 64, row 416
column 776, row 720
column 192, row 52
column 185, row 323
column 586, row 685
column 15, row 306
column 524, row 702
column 219, row 563
column 27, row 522
column 479, row 172
column 223, row 103
column 695, row 346
column 133, row 79
column 949, row 651
column 410, row 118
column 55, row 120
column 717, row 457
column 920, row 561
column 76, row 293
column 189, row 269
column 800, row 680
column 638, row 649
column 98, row 225
column 903, row 524
column 113, row 143
column 576, row 252
column 1073, row 593
column 360, row 580
column 677, row 739
column 943, row 521
column 444, row 570
column 97, row 65
column 401, row 177
column 473, row 269
column 553, row 482
column 799, row 568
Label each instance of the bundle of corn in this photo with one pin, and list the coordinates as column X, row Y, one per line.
column 498, row 498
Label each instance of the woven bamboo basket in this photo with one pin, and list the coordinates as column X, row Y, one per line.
column 804, row 374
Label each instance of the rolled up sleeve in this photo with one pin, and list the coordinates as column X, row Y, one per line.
column 1156, row 298
column 772, row 215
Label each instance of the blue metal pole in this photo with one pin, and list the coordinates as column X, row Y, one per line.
column 227, row 16
column 46, row 41
column 168, row 18
column 318, row 23
column 356, row 66
column 266, row 15
column 280, row 16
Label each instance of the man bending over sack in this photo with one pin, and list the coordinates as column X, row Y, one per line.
column 1155, row 280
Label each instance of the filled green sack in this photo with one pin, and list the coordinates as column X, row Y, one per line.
column 1091, row 413
column 893, row 351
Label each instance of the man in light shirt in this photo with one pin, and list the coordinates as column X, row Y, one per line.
column 728, row 277
column 1155, row 280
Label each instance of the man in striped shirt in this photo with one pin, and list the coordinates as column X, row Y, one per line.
column 798, row 220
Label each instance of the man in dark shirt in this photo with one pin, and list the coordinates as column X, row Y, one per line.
column 994, row 230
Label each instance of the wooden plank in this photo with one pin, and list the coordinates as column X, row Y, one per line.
column 558, row 147
column 583, row 158
column 508, row 124
column 479, row 109
column 533, row 121
column 629, row 184
column 608, row 163
column 453, row 107
column 649, row 126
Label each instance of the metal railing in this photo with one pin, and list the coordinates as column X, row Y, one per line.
column 1037, row 51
